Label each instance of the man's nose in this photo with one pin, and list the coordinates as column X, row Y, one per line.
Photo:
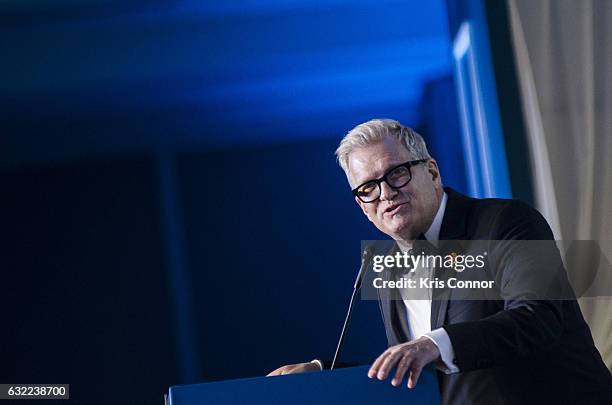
column 386, row 191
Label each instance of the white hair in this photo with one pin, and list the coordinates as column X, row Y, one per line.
column 377, row 130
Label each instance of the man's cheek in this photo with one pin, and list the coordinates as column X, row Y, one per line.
column 371, row 214
column 381, row 217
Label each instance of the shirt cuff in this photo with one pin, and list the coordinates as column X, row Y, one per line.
column 318, row 363
column 447, row 353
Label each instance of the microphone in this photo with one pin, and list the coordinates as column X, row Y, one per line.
column 366, row 257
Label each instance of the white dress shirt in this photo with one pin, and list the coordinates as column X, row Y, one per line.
column 419, row 311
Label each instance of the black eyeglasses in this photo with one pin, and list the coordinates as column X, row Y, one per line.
column 396, row 177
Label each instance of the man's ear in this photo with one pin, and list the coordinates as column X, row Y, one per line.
column 363, row 208
column 433, row 170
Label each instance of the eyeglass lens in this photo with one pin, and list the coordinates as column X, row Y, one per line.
column 397, row 178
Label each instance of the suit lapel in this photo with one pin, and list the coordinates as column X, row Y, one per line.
column 439, row 302
column 397, row 327
column 453, row 228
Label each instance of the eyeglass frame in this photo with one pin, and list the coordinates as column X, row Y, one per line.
column 379, row 180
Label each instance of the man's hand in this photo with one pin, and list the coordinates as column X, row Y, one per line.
column 411, row 356
column 295, row 369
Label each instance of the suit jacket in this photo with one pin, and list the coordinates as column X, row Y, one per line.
column 519, row 348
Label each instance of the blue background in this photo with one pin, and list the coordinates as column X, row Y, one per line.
column 172, row 211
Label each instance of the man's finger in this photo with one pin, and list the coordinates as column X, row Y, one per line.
column 274, row 373
column 415, row 372
column 377, row 363
column 388, row 364
column 402, row 367
column 289, row 370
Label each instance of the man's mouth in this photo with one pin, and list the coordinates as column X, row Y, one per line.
column 393, row 209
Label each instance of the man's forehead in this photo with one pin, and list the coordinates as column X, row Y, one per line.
column 373, row 161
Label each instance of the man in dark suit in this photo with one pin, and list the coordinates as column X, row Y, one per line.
column 523, row 346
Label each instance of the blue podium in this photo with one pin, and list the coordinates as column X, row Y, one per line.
column 343, row 386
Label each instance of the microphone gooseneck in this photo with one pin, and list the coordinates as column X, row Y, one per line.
column 366, row 257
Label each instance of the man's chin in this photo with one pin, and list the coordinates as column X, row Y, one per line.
column 401, row 232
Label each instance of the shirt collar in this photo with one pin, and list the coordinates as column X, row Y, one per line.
column 433, row 233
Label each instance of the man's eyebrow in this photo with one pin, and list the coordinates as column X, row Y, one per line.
column 389, row 167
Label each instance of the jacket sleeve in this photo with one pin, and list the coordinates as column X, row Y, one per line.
column 526, row 263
